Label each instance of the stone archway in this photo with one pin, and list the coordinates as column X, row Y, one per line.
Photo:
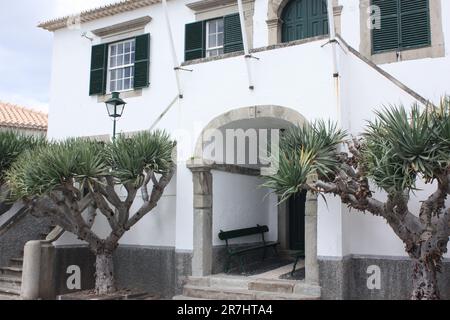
column 274, row 21
column 203, row 192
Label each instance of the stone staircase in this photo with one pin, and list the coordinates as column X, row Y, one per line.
column 11, row 276
column 226, row 287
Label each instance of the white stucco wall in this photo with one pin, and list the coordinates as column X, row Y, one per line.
column 297, row 77
column 239, row 202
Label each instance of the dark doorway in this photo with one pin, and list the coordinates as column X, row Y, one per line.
column 297, row 222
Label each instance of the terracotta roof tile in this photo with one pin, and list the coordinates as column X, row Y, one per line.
column 13, row 116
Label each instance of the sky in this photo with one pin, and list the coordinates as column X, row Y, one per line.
column 26, row 51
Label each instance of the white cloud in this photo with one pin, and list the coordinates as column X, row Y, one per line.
column 22, row 101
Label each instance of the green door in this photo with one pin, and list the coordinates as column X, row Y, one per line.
column 304, row 19
column 297, row 222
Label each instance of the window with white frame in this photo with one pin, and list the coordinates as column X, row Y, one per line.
column 214, row 37
column 121, row 65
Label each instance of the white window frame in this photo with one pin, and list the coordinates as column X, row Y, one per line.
column 109, row 69
column 209, row 49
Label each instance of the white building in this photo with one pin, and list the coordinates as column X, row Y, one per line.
column 292, row 74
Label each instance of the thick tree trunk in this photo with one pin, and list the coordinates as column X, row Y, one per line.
column 104, row 274
column 424, row 281
column 427, row 257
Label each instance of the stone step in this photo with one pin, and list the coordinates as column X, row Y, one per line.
column 11, row 271
column 9, row 292
column 16, row 262
column 216, row 293
column 180, row 297
column 4, row 297
column 10, row 282
column 278, row 286
column 283, row 296
column 222, row 281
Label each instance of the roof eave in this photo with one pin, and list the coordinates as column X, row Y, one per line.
column 94, row 14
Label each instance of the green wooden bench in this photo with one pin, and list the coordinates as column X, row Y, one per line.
column 239, row 252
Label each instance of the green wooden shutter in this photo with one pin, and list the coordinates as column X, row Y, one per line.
column 232, row 34
column 142, row 61
column 317, row 18
column 414, row 23
column 194, row 45
column 388, row 36
column 98, row 69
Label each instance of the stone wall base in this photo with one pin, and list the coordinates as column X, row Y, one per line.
column 347, row 277
column 155, row 270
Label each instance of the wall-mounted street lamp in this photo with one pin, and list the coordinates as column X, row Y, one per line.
column 115, row 107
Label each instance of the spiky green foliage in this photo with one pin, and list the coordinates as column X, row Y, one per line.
column 68, row 162
column 12, row 145
column 129, row 157
column 396, row 148
column 305, row 150
column 402, row 145
column 75, row 161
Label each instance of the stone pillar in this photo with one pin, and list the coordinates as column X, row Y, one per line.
column 37, row 274
column 202, row 254
column 311, row 264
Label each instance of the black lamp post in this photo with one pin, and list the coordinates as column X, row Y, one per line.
column 115, row 107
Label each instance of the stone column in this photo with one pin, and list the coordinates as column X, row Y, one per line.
column 202, row 254
column 311, row 264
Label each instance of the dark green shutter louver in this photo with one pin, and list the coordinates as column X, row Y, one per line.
column 194, row 45
column 232, row 34
column 387, row 37
column 98, row 69
column 142, row 61
column 415, row 23
column 405, row 24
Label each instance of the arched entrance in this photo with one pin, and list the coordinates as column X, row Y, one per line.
column 257, row 117
column 303, row 19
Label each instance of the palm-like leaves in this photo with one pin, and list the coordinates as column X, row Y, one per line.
column 400, row 146
column 13, row 144
column 304, row 151
column 39, row 172
column 76, row 160
column 129, row 157
column 397, row 148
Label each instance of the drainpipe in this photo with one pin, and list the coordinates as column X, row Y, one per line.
column 337, row 89
column 247, row 56
column 333, row 41
column 176, row 65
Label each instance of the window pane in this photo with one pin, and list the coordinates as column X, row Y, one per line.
column 220, row 25
column 112, row 62
column 126, row 84
column 127, row 72
column 132, row 57
column 212, row 26
column 113, row 50
column 132, row 72
column 133, row 46
column 212, row 41
column 220, row 39
column 119, row 86
column 113, row 75
column 119, row 73
column 120, row 60
column 127, row 59
column 127, row 47
column 120, row 48
column 113, row 86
